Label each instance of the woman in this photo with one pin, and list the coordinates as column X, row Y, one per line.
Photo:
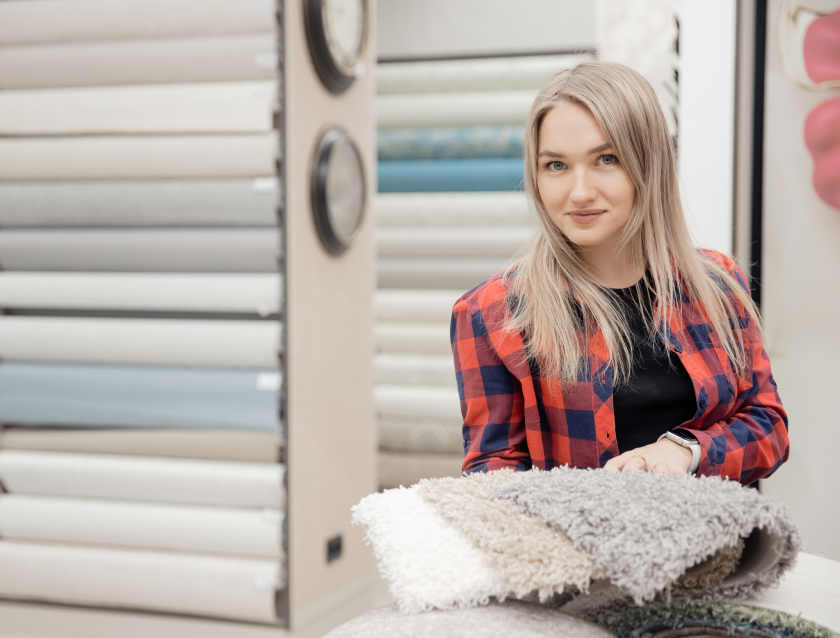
column 613, row 342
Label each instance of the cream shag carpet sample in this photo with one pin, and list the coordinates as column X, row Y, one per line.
column 428, row 563
column 647, row 529
column 529, row 553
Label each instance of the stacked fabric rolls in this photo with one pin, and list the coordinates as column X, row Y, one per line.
column 140, row 340
column 450, row 213
column 635, row 537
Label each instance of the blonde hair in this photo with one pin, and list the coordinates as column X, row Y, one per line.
column 556, row 328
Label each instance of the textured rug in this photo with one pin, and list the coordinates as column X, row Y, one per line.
column 646, row 529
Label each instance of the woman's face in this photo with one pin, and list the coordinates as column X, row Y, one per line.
column 584, row 187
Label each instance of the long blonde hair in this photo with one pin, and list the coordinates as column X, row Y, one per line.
column 551, row 275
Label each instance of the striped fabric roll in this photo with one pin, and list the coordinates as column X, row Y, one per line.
column 450, row 143
column 415, row 176
column 121, row 396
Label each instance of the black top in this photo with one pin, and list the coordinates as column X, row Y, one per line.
column 659, row 395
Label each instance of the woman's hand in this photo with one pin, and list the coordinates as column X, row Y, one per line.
column 665, row 457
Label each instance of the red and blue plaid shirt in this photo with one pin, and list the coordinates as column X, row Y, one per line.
column 515, row 418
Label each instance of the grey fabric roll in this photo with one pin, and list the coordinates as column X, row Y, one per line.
column 513, row 618
column 174, row 250
column 192, row 202
column 22, row 21
column 138, row 157
column 415, row 305
column 153, row 61
column 453, row 209
column 108, row 396
column 412, row 369
column 499, row 242
column 420, row 435
column 646, row 529
column 463, row 274
column 435, row 402
column 408, row 468
column 195, row 443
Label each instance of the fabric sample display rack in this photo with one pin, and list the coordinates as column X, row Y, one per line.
column 450, row 213
column 157, row 257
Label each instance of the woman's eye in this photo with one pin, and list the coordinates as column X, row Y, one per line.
column 556, row 166
column 608, row 160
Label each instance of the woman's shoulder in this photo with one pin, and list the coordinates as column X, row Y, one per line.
column 488, row 293
column 727, row 264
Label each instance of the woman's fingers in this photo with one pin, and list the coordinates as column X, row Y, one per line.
column 635, row 462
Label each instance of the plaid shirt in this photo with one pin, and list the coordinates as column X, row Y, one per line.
column 514, row 418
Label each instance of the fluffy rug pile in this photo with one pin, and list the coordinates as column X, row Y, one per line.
column 457, row 543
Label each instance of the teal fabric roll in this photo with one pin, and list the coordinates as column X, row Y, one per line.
column 112, row 396
column 420, row 176
column 451, row 143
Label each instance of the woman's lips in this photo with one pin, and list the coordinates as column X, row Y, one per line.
column 586, row 216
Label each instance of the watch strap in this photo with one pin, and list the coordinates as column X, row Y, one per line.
column 691, row 444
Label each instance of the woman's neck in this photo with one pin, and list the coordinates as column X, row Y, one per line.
column 611, row 267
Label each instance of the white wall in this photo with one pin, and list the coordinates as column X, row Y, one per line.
column 410, row 29
column 707, row 119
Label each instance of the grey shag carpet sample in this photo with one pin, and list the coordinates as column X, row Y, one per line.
column 529, row 553
column 513, row 618
column 647, row 529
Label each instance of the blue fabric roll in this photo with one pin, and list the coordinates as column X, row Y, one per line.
column 450, row 143
column 111, row 396
column 428, row 176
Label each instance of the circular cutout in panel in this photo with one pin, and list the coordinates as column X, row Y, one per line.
column 338, row 190
column 337, row 32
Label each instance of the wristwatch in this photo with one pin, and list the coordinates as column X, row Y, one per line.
column 691, row 444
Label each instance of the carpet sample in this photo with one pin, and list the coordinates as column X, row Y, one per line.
column 647, row 529
column 427, row 563
column 528, row 553
column 513, row 618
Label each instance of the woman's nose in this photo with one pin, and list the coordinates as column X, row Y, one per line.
column 583, row 189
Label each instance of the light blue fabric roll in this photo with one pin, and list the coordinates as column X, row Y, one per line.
column 424, row 176
column 111, row 396
column 450, row 143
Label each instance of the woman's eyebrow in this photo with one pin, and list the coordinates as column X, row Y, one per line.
column 597, row 149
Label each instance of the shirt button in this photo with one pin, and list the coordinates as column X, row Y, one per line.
column 702, row 404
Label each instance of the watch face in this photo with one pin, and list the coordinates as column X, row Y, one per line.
column 344, row 26
column 338, row 190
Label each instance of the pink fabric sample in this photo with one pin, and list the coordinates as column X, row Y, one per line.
column 822, row 136
column 821, row 48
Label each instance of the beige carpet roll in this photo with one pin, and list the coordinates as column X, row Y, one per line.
column 453, row 109
column 176, row 342
column 407, row 469
column 502, row 243
column 437, row 272
column 412, row 337
column 139, row 478
column 526, row 73
column 217, row 587
column 153, row 61
column 156, row 526
column 22, row 21
column 414, row 400
column 218, row 445
column 453, row 209
column 142, row 157
column 414, row 369
column 218, row 107
column 177, row 292
column 415, row 305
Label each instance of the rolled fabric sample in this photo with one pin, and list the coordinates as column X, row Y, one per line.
column 112, row 20
column 450, row 175
column 525, row 73
column 410, row 337
column 173, row 202
column 502, row 242
column 171, row 250
column 453, row 209
column 415, row 305
column 420, row 435
column 141, row 157
column 489, row 108
column 450, row 143
column 463, row 274
column 153, row 61
column 155, row 526
column 397, row 469
column 175, row 342
column 414, row 369
column 179, row 292
column 212, row 586
column 197, row 443
column 218, row 107
column 138, row 478
column 434, row 402
column 112, row 396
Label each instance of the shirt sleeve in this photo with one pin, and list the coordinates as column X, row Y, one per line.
column 752, row 442
column 491, row 396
